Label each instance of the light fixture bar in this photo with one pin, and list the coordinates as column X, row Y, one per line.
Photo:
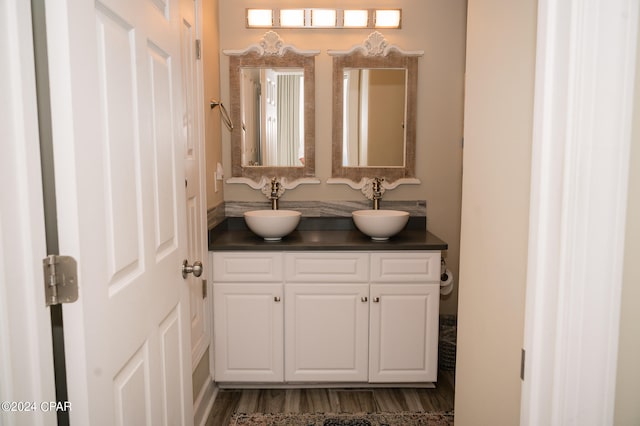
column 387, row 18
column 259, row 18
column 355, row 18
column 323, row 18
column 292, row 18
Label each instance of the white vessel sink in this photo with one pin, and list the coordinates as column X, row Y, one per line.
column 380, row 224
column 272, row 225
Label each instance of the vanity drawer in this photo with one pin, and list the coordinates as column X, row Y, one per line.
column 405, row 266
column 247, row 267
column 327, row 267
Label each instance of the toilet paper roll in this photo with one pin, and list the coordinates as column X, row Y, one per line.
column 446, row 282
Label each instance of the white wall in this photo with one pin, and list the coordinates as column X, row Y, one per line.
column 500, row 64
column 627, row 409
column 212, row 122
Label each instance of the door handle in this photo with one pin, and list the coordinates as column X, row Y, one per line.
column 195, row 269
column 364, row 299
column 376, row 300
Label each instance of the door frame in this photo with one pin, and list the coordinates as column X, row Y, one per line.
column 585, row 76
column 26, row 365
column 199, row 108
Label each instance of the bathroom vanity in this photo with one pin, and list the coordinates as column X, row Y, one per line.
column 325, row 305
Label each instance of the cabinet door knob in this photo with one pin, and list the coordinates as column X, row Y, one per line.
column 364, row 298
column 276, row 299
column 376, row 299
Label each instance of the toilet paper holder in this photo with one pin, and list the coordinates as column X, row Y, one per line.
column 446, row 278
column 443, row 270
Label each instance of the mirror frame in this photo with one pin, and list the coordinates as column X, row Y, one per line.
column 375, row 52
column 271, row 52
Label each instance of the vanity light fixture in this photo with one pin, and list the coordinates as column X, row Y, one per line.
column 387, row 18
column 292, row 18
column 323, row 18
column 355, row 18
column 259, row 18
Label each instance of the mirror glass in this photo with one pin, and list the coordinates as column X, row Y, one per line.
column 272, row 91
column 272, row 116
column 375, row 89
column 374, row 115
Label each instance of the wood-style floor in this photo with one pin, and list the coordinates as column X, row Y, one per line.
column 337, row 400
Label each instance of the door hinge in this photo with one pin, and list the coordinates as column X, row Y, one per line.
column 198, row 49
column 204, row 289
column 60, row 279
column 522, row 358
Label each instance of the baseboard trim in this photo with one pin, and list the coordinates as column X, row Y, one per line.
column 204, row 403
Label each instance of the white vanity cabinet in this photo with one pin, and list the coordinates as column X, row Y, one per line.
column 248, row 317
column 326, row 317
column 320, row 316
column 405, row 297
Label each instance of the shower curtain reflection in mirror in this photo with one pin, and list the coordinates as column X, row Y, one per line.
column 272, row 112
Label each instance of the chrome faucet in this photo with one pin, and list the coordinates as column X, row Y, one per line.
column 376, row 189
column 275, row 193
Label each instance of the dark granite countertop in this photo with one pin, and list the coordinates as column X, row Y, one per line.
column 322, row 233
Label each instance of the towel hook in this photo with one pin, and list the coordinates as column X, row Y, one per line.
column 223, row 113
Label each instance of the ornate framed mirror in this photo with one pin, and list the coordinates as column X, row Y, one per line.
column 374, row 111
column 272, row 88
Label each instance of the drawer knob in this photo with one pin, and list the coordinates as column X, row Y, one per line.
column 364, row 298
column 276, row 299
column 376, row 299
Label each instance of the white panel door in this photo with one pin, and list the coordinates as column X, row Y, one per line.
column 269, row 92
column 194, row 160
column 326, row 332
column 248, row 332
column 404, row 333
column 118, row 151
column 250, row 117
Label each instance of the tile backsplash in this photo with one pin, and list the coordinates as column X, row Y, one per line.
column 327, row 208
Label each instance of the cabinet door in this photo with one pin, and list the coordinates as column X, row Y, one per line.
column 404, row 333
column 326, row 332
column 248, row 332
